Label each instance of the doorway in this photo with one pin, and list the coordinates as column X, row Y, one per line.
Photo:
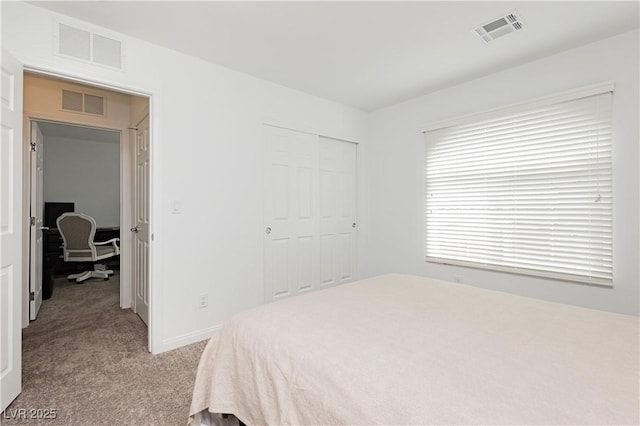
column 116, row 121
column 74, row 169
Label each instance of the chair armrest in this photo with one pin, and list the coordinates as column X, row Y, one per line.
column 113, row 241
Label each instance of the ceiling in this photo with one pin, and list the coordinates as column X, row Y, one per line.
column 68, row 131
column 363, row 54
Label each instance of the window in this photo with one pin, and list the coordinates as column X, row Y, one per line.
column 525, row 190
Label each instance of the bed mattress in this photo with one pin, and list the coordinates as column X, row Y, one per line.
column 398, row 349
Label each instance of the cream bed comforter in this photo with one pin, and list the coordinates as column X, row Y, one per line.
column 399, row 349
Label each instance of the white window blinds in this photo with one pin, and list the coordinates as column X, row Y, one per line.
column 526, row 191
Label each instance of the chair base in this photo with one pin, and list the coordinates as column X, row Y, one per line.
column 99, row 271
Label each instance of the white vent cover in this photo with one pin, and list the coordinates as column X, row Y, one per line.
column 89, row 46
column 107, row 51
column 82, row 102
column 93, row 104
column 507, row 24
column 71, row 101
column 75, row 42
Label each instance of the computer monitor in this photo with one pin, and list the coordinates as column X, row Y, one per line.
column 52, row 211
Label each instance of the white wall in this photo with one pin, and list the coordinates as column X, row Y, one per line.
column 396, row 164
column 207, row 153
column 84, row 172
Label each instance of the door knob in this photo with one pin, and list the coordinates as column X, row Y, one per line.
column 135, row 229
column 267, row 230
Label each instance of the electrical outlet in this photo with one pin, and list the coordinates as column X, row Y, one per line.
column 203, row 300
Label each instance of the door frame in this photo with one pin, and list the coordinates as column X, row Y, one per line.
column 126, row 208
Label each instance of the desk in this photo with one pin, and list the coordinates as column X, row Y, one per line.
column 52, row 259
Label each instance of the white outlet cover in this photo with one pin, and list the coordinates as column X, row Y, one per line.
column 203, row 300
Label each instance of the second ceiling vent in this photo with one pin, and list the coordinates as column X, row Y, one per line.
column 507, row 24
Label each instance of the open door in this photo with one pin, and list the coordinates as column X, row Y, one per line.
column 141, row 230
column 10, row 231
column 36, row 220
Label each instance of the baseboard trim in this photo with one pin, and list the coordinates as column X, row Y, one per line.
column 187, row 339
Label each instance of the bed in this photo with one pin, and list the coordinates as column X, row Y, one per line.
column 398, row 349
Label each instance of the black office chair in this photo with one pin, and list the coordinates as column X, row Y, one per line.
column 77, row 231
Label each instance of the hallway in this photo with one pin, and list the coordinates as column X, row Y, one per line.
column 87, row 359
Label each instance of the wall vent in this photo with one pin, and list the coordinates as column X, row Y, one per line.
column 82, row 102
column 88, row 46
column 71, row 101
column 507, row 24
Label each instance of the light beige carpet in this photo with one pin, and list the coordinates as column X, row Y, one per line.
column 88, row 359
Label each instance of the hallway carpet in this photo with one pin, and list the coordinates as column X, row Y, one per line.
column 87, row 359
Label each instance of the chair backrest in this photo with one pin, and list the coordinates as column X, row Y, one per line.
column 77, row 231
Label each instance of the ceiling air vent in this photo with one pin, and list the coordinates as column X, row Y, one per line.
column 82, row 102
column 88, row 46
column 501, row 26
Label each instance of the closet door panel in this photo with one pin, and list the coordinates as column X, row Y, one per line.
column 338, row 226
column 290, row 212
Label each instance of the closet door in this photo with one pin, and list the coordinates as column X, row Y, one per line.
column 338, row 225
column 309, row 212
column 291, row 212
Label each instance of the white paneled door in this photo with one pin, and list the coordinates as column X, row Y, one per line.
column 291, row 212
column 140, row 229
column 337, row 212
column 36, row 220
column 10, row 231
column 296, row 211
